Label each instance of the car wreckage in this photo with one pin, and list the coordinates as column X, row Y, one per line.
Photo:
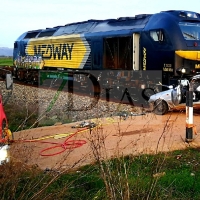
column 175, row 96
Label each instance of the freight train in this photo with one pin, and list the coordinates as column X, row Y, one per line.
column 167, row 42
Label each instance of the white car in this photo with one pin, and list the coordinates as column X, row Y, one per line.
column 173, row 98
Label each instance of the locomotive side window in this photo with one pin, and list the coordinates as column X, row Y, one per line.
column 190, row 31
column 157, row 35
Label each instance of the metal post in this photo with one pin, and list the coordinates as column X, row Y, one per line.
column 189, row 115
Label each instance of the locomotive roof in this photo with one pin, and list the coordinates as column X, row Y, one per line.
column 91, row 26
column 137, row 23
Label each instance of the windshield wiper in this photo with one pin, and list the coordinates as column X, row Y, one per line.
column 190, row 35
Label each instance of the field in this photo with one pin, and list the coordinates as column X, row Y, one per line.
column 4, row 61
column 172, row 175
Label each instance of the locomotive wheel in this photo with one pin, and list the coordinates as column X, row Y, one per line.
column 160, row 107
column 147, row 93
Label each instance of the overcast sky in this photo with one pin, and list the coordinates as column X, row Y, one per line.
column 19, row 16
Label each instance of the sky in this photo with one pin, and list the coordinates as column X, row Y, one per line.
column 19, row 16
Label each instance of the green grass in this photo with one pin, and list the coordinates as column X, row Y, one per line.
column 6, row 61
column 181, row 179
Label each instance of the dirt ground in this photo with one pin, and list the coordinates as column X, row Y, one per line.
column 49, row 147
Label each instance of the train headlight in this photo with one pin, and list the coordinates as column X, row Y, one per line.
column 183, row 70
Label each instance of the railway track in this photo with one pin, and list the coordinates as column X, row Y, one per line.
column 107, row 94
column 54, row 87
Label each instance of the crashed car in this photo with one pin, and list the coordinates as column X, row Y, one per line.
column 175, row 97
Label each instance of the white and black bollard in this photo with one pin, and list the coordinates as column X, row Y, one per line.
column 189, row 116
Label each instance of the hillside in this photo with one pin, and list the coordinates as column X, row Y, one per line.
column 5, row 51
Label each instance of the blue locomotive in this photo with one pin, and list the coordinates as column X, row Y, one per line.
column 168, row 42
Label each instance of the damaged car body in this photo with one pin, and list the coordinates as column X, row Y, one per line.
column 175, row 97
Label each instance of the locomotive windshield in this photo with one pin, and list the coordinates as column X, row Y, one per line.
column 190, row 31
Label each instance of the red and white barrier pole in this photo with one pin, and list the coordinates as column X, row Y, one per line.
column 189, row 116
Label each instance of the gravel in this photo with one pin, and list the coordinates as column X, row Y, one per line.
column 60, row 106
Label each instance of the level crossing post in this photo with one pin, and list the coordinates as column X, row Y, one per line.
column 189, row 114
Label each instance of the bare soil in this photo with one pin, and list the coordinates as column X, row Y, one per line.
column 46, row 147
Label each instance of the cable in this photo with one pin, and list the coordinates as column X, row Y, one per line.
column 68, row 144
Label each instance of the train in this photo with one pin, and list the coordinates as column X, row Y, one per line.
column 167, row 42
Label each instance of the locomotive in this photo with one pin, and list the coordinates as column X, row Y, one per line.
column 167, row 42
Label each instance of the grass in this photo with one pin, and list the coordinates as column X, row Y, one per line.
column 19, row 117
column 178, row 177
column 6, row 61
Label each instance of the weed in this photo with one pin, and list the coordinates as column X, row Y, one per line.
column 181, row 179
column 20, row 117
